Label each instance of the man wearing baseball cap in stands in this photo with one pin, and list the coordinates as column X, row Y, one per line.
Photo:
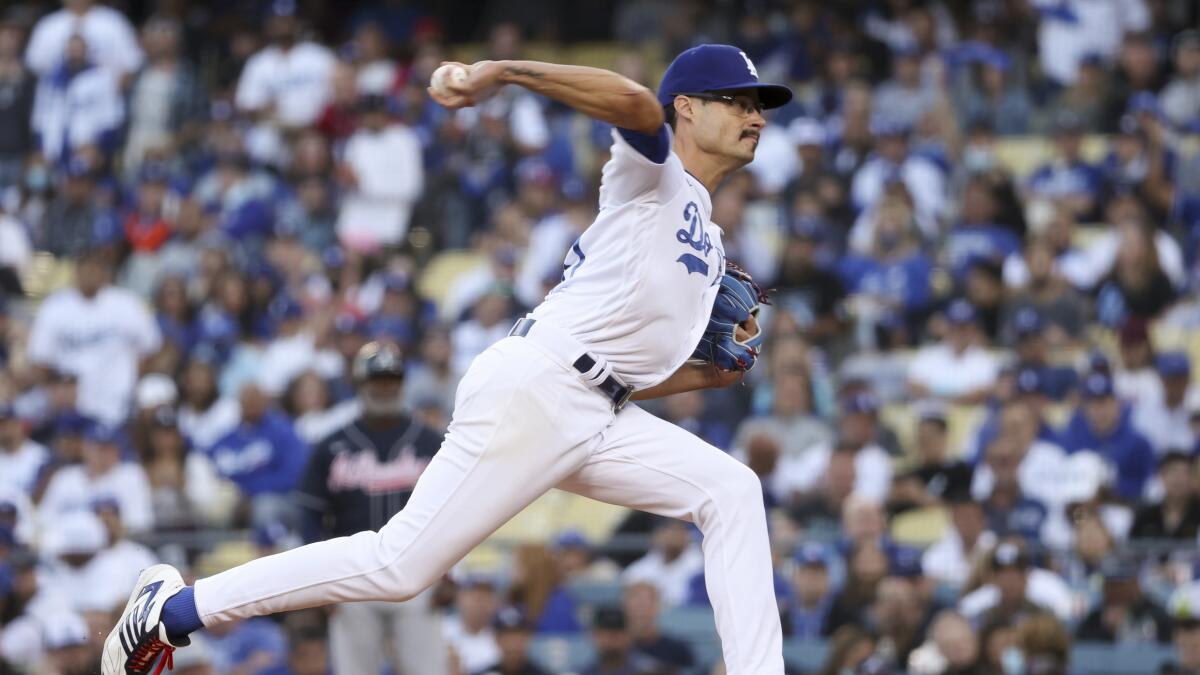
column 513, row 631
column 957, row 369
column 20, row 458
column 1102, row 423
column 1166, row 421
column 101, row 474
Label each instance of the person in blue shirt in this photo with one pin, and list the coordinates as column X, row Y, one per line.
column 812, row 592
column 248, row 646
column 1068, row 178
column 978, row 237
column 263, row 456
column 1029, row 340
column 896, row 275
column 1103, row 424
column 1007, row 510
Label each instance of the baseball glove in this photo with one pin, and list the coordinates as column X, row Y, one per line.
column 738, row 300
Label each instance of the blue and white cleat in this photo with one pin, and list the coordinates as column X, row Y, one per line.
column 138, row 645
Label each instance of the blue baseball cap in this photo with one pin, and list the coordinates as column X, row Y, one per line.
column 960, row 312
column 811, row 554
column 103, row 434
column 1029, row 381
column 1173, row 364
column 571, row 539
column 1097, row 385
column 1027, row 322
column 707, row 68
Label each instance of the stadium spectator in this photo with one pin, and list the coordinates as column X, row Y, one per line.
column 858, row 429
column 468, row 632
column 671, row 563
column 951, row 642
column 383, row 176
column 513, row 632
column 249, row 646
column 20, row 457
column 1181, row 97
column 866, row 567
column 812, row 591
column 1045, row 644
column 950, row 560
column 1068, row 178
column 167, row 100
column 539, row 592
column 77, row 110
column 1102, row 425
column 1166, row 420
column 101, row 475
column 1015, row 589
column 1186, row 640
column 643, row 612
column 850, row 647
column 1125, row 616
column 305, row 66
column 1177, row 515
column 807, row 286
column 612, row 642
column 16, row 105
column 205, row 417
column 957, row 370
column 112, row 41
column 894, row 162
column 1037, row 281
column 1138, row 287
column 263, row 456
column 308, row 654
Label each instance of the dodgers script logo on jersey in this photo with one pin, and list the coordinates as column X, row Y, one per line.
column 695, row 237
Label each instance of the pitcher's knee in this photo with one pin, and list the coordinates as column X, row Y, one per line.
column 736, row 489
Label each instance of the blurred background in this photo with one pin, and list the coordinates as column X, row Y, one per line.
column 976, row 419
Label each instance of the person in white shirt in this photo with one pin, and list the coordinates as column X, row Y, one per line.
column 468, row 632
column 287, row 81
column 376, row 70
column 123, row 559
column 1015, row 586
column 97, row 332
column 101, row 475
column 950, row 560
column 1071, row 30
column 857, row 429
column 383, row 172
column 1181, row 97
column 77, row 107
column 956, row 369
column 82, row 565
column 20, row 458
column 892, row 161
column 111, row 40
column 487, row 324
column 204, row 416
column 670, row 565
column 1166, row 421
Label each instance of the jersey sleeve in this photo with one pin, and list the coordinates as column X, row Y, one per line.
column 40, row 347
column 631, row 175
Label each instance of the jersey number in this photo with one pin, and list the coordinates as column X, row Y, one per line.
column 579, row 257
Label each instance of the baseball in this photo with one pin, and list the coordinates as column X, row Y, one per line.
column 450, row 74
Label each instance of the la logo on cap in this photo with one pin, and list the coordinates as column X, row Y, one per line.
column 749, row 64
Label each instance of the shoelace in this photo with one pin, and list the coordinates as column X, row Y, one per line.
column 147, row 653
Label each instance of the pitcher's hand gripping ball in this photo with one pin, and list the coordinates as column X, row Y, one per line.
column 736, row 307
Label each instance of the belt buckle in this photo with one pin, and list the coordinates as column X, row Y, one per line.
column 620, row 402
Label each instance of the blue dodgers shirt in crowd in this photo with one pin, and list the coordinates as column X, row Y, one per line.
column 262, row 457
column 905, row 280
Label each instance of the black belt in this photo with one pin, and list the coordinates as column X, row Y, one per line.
column 612, row 389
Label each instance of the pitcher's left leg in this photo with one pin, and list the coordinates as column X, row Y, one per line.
column 645, row 463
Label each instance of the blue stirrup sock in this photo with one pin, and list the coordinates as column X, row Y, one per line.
column 179, row 614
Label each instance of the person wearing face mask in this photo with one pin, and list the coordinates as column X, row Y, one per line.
column 357, row 479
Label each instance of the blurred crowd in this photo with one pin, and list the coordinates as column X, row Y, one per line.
column 976, row 420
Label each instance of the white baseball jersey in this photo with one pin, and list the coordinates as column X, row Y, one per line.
column 639, row 284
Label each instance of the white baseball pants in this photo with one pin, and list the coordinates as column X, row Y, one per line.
column 524, row 422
